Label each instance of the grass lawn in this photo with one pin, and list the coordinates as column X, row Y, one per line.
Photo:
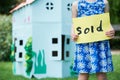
column 6, row 72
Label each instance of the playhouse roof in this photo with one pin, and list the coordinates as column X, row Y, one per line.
column 22, row 5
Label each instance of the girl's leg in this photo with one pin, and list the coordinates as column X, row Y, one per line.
column 101, row 76
column 83, row 76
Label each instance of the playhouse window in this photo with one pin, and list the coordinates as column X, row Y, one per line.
column 49, row 6
column 15, row 49
column 67, row 54
column 21, row 42
column 69, row 5
column 54, row 53
column 20, row 55
column 68, row 41
column 54, row 40
column 63, row 46
column 15, row 39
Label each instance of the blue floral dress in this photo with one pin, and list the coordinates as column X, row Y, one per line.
column 92, row 57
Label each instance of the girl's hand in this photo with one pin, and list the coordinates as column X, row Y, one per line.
column 110, row 33
column 74, row 37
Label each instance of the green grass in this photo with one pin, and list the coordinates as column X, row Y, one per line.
column 6, row 72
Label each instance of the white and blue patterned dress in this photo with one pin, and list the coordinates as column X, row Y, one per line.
column 92, row 57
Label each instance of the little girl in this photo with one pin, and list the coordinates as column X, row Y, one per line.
column 92, row 57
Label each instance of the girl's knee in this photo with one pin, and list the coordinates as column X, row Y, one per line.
column 83, row 76
column 101, row 76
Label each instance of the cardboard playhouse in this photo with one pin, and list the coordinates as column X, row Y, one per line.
column 42, row 46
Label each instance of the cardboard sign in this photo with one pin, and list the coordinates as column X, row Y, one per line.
column 92, row 28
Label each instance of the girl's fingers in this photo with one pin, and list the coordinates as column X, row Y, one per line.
column 74, row 37
column 110, row 32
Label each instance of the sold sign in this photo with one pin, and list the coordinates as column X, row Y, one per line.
column 92, row 28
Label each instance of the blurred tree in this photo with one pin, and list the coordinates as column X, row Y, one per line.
column 7, row 5
column 5, row 37
column 115, row 11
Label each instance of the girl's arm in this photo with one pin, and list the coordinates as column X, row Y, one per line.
column 74, row 15
column 74, row 9
column 106, row 6
column 111, row 32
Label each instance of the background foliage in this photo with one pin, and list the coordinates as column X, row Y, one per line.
column 115, row 11
column 5, row 36
column 115, row 19
column 7, row 5
column 115, row 42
